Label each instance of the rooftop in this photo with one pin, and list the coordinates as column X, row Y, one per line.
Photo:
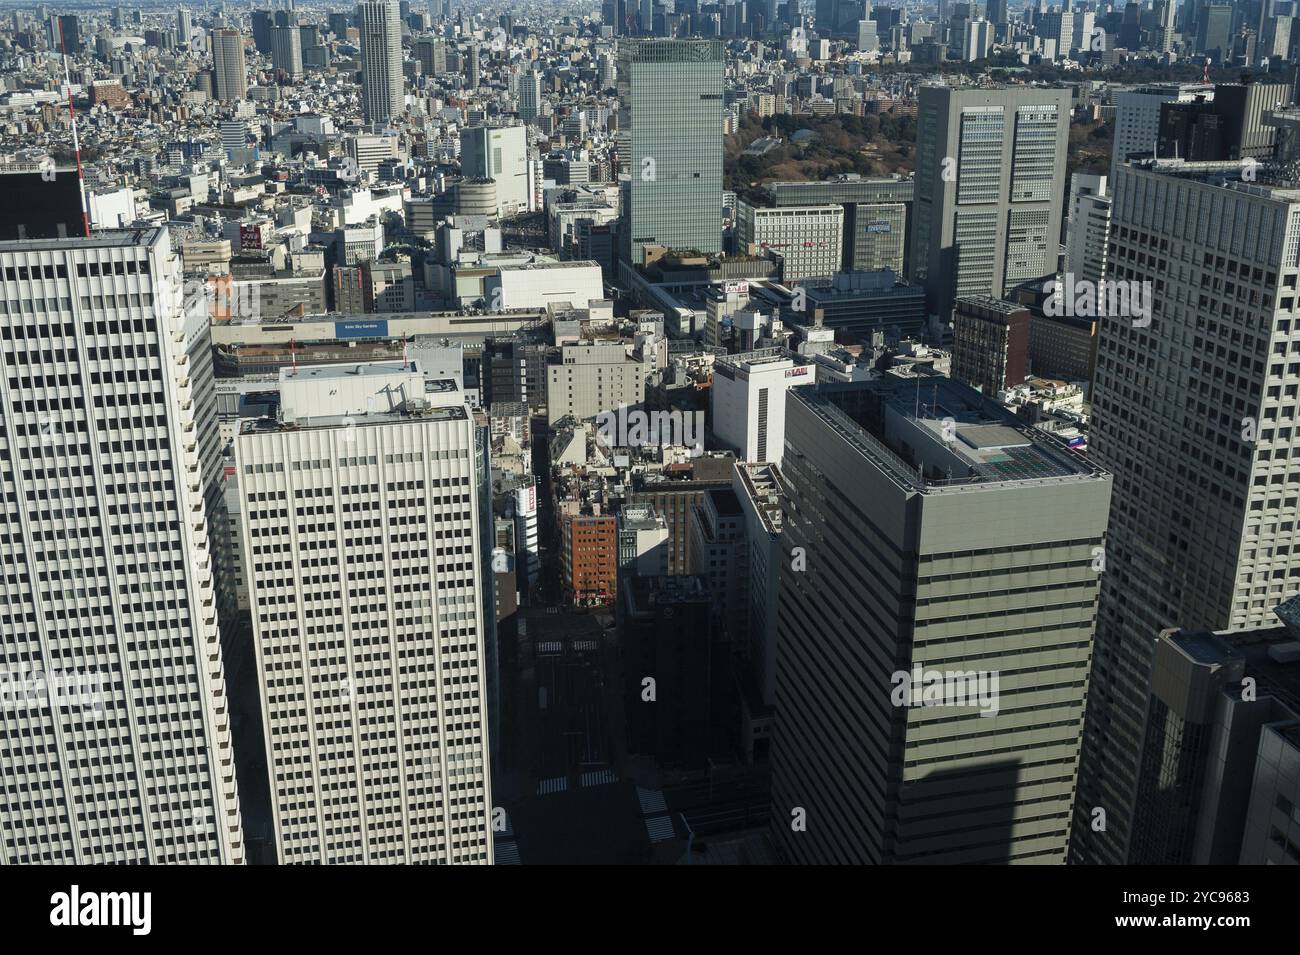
column 372, row 369
column 762, row 484
column 116, row 239
column 935, row 435
column 414, row 409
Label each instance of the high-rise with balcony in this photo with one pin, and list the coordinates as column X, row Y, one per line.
column 382, row 92
column 363, row 554
column 989, row 182
column 935, row 622
column 108, row 462
column 670, row 142
column 1195, row 414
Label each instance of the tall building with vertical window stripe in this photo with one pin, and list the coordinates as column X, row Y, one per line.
column 229, row 72
column 670, row 141
column 382, row 91
column 363, row 556
column 109, row 476
column 989, row 184
column 927, row 529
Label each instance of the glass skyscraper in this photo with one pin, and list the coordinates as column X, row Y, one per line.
column 670, row 142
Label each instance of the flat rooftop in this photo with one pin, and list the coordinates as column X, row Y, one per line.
column 1204, row 646
column 902, row 425
column 754, row 359
column 370, row 369
column 114, row 239
column 762, row 485
column 324, row 422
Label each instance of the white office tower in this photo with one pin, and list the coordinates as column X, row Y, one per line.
column 1089, row 227
column 977, row 40
column 286, row 51
column 1137, row 116
column 361, row 535
column 748, row 401
column 382, row 95
column 499, row 153
column 229, row 76
column 1194, row 412
column 116, row 742
column 868, row 41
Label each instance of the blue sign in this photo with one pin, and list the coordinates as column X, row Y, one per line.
column 361, row 329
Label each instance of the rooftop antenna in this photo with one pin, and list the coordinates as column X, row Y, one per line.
column 1205, row 76
column 293, row 355
column 76, row 142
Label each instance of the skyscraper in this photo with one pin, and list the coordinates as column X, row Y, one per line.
column 530, row 96
column 382, row 95
column 286, row 51
column 431, row 51
column 989, row 181
column 364, row 563
column 229, row 75
column 1193, row 413
column 935, row 626
column 261, row 26
column 109, row 436
column 670, row 142
column 472, row 67
column 996, row 13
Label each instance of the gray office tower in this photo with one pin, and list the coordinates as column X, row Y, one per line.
column 875, row 216
column 935, row 624
column 990, row 182
column 1194, row 413
column 670, row 142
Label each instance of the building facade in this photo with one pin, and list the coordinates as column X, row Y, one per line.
column 932, row 545
column 117, row 737
column 1193, row 413
column 670, row 140
column 365, row 568
column 382, row 90
column 990, row 177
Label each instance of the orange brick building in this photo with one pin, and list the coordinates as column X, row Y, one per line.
column 590, row 557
